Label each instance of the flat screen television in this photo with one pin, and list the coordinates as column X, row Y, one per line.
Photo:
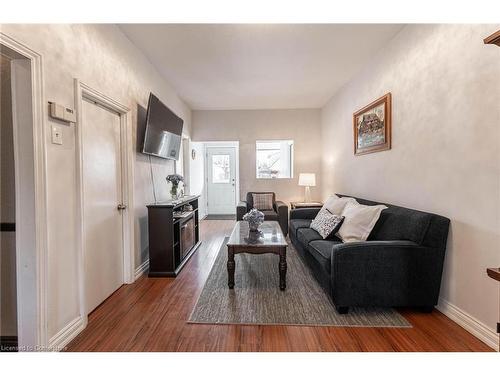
column 163, row 130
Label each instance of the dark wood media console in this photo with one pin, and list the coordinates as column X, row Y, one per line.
column 174, row 235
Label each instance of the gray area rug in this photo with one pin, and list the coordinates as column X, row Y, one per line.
column 256, row 298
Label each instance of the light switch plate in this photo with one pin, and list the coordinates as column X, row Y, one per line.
column 57, row 135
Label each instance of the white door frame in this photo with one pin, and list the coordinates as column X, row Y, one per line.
column 217, row 144
column 186, row 157
column 84, row 91
column 37, row 340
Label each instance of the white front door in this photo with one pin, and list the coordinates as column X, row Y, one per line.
column 102, row 192
column 221, row 180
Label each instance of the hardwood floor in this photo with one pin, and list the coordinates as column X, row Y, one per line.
column 151, row 314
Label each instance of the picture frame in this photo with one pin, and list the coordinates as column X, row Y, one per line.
column 372, row 126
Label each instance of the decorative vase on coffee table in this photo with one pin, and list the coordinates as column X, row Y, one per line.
column 254, row 218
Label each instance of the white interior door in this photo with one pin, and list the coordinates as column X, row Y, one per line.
column 221, row 180
column 102, row 193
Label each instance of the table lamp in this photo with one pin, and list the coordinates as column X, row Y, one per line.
column 307, row 180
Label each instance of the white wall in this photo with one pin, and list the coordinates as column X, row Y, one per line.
column 247, row 126
column 445, row 157
column 197, row 176
column 102, row 57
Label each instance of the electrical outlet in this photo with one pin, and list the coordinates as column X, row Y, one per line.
column 57, row 135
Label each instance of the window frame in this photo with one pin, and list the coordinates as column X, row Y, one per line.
column 291, row 152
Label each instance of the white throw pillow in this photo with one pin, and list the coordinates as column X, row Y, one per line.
column 359, row 221
column 326, row 224
column 336, row 205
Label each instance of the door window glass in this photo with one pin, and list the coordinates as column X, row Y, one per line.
column 220, row 169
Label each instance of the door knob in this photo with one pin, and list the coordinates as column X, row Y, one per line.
column 121, row 207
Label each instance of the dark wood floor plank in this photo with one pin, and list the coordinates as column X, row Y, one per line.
column 152, row 314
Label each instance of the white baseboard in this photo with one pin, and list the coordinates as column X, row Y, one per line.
column 142, row 269
column 469, row 323
column 59, row 341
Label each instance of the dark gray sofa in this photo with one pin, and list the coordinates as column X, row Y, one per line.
column 279, row 212
column 400, row 265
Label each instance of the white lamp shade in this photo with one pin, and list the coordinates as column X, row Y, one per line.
column 307, row 179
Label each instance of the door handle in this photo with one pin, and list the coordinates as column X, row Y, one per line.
column 121, row 207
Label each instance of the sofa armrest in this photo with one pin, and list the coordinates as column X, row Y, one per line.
column 378, row 273
column 279, row 205
column 282, row 210
column 304, row 213
column 241, row 209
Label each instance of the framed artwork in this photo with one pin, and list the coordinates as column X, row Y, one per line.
column 372, row 127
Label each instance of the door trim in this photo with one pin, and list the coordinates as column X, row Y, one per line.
column 82, row 91
column 222, row 144
column 40, row 194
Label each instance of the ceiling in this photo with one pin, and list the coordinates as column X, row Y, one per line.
column 258, row 66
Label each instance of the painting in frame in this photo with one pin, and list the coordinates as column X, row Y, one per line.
column 372, row 126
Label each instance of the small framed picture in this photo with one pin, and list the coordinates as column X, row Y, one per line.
column 372, row 127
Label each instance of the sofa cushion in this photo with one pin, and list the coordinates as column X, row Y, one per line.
column 306, row 235
column 322, row 251
column 298, row 223
column 270, row 215
column 399, row 223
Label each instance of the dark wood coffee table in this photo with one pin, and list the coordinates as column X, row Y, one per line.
column 269, row 239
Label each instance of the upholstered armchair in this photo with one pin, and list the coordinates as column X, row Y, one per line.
column 275, row 211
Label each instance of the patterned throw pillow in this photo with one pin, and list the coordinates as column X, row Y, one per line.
column 263, row 201
column 326, row 223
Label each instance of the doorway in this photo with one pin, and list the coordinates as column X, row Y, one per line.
column 104, row 174
column 23, row 194
column 8, row 294
column 102, row 189
column 222, row 178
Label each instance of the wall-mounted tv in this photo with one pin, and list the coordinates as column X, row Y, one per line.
column 163, row 130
